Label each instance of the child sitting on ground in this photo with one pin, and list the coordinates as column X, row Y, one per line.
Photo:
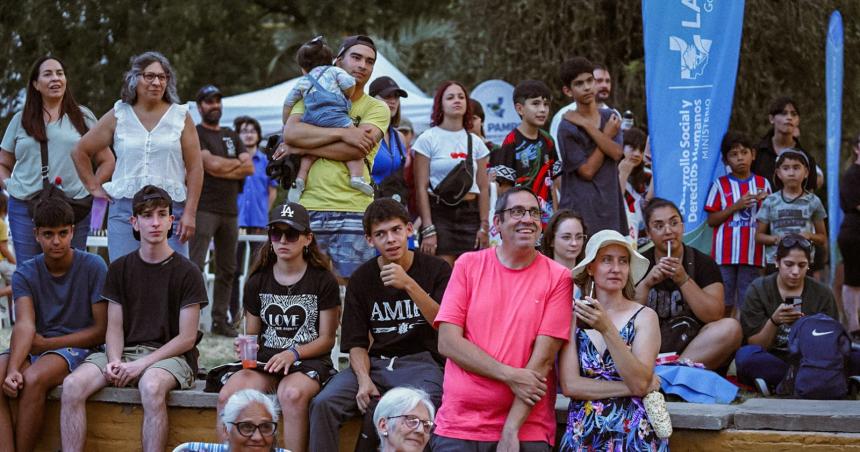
column 326, row 90
column 791, row 210
column 732, row 205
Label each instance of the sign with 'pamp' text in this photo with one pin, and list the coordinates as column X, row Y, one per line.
column 691, row 60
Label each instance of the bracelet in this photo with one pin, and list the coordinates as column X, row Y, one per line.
column 427, row 235
column 426, row 230
column 773, row 321
column 684, row 282
column 295, row 354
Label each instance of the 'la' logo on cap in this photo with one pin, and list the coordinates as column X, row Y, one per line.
column 286, row 211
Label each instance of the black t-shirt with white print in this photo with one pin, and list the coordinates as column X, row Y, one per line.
column 290, row 314
column 390, row 316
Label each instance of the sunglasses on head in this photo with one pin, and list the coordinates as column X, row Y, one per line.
column 276, row 234
column 795, row 240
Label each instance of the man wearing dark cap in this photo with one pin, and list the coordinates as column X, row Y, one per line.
column 154, row 299
column 225, row 165
column 335, row 208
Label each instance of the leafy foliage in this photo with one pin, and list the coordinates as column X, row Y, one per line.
column 250, row 45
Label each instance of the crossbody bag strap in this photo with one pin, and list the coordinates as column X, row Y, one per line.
column 469, row 163
column 43, row 147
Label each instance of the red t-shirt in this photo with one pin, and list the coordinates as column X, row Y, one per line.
column 502, row 311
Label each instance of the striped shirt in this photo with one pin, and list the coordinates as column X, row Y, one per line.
column 734, row 240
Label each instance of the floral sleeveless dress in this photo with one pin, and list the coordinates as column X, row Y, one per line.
column 614, row 424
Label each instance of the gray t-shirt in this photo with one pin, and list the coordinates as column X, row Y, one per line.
column 599, row 200
column 63, row 304
column 26, row 177
column 789, row 216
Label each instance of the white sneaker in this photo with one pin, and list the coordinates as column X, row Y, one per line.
column 358, row 183
column 296, row 191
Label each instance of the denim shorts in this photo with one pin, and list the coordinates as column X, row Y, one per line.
column 73, row 356
column 341, row 236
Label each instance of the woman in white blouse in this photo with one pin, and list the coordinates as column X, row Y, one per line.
column 155, row 143
column 451, row 230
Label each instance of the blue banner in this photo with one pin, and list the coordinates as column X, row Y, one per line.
column 833, row 71
column 691, row 60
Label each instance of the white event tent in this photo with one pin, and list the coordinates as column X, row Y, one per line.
column 266, row 105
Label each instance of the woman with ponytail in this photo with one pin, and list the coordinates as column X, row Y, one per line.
column 292, row 303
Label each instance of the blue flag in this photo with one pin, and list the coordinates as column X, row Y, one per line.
column 833, row 75
column 691, row 61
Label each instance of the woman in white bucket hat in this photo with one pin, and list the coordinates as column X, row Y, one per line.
column 608, row 365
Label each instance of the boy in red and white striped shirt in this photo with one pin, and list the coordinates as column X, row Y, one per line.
column 732, row 205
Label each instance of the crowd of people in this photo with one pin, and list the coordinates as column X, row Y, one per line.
column 462, row 320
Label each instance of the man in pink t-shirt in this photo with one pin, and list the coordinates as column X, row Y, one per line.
column 504, row 316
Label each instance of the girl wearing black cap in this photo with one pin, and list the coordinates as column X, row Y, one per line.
column 393, row 155
column 292, row 304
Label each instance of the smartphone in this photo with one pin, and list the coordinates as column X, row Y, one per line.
column 795, row 303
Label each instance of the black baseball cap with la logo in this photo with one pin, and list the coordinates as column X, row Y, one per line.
column 292, row 214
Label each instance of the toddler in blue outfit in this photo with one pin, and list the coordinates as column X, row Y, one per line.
column 326, row 90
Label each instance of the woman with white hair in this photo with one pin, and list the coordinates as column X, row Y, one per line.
column 404, row 420
column 608, row 365
column 155, row 143
column 250, row 423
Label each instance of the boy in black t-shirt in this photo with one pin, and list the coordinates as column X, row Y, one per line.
column 154, row 296
column 528, row 156
column 392, row 299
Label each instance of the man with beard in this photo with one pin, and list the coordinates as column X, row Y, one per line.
column 337, row 209
column 225, row 165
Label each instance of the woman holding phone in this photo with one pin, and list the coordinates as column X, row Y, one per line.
column 608, row 365
column 771, row 306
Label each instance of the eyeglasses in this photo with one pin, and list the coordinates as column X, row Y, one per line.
column 276, row 234
column 795, row 240
column 150, row 77
column 413, row 422
column 519, row 212
column 659, row 226
column 247, row 429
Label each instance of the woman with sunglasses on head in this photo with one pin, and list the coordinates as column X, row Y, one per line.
column 771, row 306
column 404, row 420
column 51, row 116
column 608, row 365
column 292, row 303
column 451, row 227
column 155, row 142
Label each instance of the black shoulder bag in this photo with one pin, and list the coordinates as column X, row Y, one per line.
column 457, row 183
column 81, row 206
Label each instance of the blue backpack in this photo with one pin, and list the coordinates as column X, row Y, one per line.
column 818, row 347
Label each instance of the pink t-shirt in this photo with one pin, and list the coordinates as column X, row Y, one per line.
column 502, row 311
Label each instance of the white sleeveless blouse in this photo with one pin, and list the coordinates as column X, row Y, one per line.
column 148, row 157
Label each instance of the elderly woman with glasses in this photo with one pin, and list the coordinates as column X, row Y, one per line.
column 155, row 143
column 404, row 420
column 249, row 422
column 771, row 306
column 292, row 305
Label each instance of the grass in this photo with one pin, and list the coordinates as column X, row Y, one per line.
column 214, row 350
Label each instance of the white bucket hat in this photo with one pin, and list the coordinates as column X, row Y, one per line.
column 638, row 263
